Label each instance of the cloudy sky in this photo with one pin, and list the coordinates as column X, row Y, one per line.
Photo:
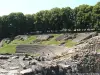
column 33, row 6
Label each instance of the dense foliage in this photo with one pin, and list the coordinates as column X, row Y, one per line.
column 82, row 18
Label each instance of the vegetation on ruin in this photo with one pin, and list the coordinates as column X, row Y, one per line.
column 57, row 20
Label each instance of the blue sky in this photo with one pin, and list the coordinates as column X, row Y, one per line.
column 33, row 6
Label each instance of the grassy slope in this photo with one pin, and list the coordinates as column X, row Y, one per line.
column 52, row 40
column 28, row 41
column 11, row 47
column 98, row 50
column 8, row 49
column 70, row 43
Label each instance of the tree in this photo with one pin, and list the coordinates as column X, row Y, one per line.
column 1, row 26
column 16, row 23
column 96, row 14
column 5, row 30
column 81, row 18
column 38, row 21
column 29, row 22
column 67, row 18
column 55, row 19
column 83, row 15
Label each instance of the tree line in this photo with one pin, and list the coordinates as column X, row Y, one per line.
column 81, row 18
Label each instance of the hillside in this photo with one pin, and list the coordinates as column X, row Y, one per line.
column 67, row 40
column 46, row 54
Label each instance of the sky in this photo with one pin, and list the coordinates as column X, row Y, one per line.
column 33, row 6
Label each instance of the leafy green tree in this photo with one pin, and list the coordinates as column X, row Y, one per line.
column 83, row 15
column 55, row 19
column 67, row 17
column 5, row 30
column 16, row 23
column 29, row 22
column 1, row 26
column 96, row 14
column 38, row 21
column 81, row 18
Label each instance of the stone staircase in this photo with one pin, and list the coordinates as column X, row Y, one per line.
column 41, row 49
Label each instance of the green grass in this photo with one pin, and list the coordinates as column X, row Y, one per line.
column 70, row 43
column 52, row 40
column 11, row 47
column 28, row 41
column 8, row 49
column 98, row 50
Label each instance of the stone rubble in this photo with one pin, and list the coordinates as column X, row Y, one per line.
column 23, row 64
column 18, row 66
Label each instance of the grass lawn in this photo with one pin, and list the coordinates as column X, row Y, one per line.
column 8, row 49
column 70, row 43
column 11, row 47
column 98, row 50
column 52, row 41
column 28, row 41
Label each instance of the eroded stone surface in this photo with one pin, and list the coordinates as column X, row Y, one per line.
column 17, row 66
column 71, row 61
